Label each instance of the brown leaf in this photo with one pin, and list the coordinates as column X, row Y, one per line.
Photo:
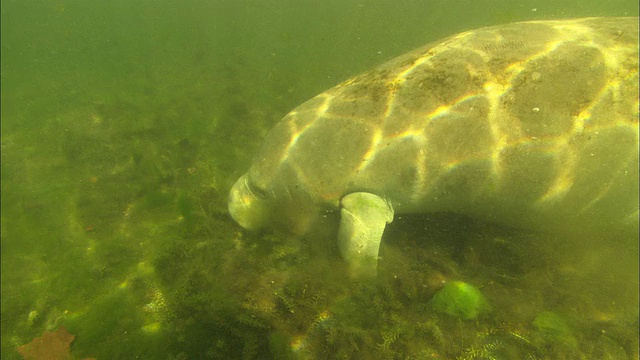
column 50, row 346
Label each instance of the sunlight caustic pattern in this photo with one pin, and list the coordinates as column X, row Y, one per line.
column 492, row 94
column 531, row 124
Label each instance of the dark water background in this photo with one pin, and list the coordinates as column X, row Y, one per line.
column 124, row 124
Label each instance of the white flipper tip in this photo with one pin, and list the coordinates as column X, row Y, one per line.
column 362, row 221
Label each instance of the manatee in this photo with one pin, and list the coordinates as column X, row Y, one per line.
column 531, row 125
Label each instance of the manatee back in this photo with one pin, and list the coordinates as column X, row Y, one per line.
column 530, row 124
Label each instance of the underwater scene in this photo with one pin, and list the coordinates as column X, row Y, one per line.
column 125, row 125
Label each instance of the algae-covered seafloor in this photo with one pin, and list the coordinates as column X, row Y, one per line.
column 119, row 146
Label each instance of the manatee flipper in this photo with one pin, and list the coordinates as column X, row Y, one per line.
column 362, row 221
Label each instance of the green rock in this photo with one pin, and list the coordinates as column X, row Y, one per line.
column 460, row 300
column 553, row 328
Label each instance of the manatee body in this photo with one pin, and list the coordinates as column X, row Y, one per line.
column 531, row 124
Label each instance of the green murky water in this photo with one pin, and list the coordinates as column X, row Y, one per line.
column 125, row 123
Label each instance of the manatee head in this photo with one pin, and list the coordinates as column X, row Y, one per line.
column 248, row 206
column 287, row 183
column 275, row 199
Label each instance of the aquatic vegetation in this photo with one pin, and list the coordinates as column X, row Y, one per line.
column 115, row 226
column 433, row 331
column 485, row 352
column 499, row 344
column 390, row 335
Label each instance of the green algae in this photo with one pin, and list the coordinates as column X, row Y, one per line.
column 555, row 329
column 461, row 300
